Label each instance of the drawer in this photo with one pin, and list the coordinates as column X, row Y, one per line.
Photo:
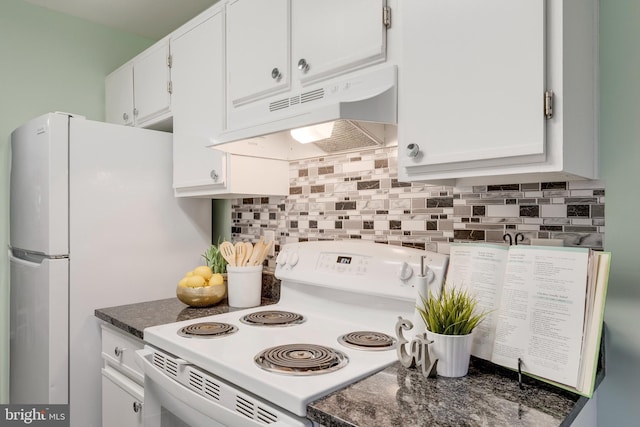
column 118, row 351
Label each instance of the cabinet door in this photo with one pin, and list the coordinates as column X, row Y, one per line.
column 121, row 401
column 258, row 34
column 198, row 104
column 331, row 37
column 119, row 96
column 151, row 88
column 473, row 81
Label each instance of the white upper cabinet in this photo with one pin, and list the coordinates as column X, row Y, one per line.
column 198, row 107
column 257, row 49
column 497, row 90
column 152, row 82
column 276, row 45
column 119, row 96
column 331, row 37
column 139, row 92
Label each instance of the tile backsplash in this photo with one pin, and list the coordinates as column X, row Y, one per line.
column 358, row 196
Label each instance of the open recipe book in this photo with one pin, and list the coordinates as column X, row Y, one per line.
column 546, row 308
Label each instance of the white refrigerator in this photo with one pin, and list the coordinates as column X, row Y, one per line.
column 94, row 223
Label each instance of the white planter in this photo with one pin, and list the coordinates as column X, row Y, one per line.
column 453, row 353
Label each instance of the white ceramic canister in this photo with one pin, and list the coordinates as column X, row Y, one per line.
column 244, row 286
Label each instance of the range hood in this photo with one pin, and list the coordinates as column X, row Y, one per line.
column 355, row 109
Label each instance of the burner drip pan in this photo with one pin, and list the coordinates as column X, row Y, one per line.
column 368, row 340
column 301, row 359
column 207, row 330
column 272, row 318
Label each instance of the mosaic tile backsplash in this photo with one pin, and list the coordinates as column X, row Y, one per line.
column 358, row 196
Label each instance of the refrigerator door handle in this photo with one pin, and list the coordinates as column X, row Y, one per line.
column 20, row 255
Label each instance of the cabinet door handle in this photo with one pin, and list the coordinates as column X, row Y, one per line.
column 303, row 65
column 214, row 175
column 125, row 116
column 137, row 407
column 118, row 351
column 276, row 74
column 413, row 150
column 135, row 112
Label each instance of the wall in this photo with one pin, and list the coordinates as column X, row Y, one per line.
column 620, row 153
column 50, row 62
column 358, row 196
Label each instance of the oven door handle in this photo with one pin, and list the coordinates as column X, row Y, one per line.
column 191, row 400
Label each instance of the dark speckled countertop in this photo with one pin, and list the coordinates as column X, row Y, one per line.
column 488, row 396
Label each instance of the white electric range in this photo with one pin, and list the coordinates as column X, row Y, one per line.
column 334, row 324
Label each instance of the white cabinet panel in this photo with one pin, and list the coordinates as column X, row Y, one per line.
column 151, row 76
column 139, row 92
column 198, row 105
column 472, row 88
column 331, row 37
column 121, row 401
column 257, row 49
column 119, row 96
column 473, row 79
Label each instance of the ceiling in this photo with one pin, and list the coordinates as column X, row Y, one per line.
column 153, row 19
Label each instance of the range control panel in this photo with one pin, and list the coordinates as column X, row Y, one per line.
column 360, row 266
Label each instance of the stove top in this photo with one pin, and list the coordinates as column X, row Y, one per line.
column 335, row 298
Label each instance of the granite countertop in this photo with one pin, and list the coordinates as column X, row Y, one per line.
column 396, row 396
column 488, row 396
column 133, row 318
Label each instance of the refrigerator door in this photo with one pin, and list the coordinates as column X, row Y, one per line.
column 39, row 325
column 39, row 196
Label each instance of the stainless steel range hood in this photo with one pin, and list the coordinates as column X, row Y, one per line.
column 360, row 105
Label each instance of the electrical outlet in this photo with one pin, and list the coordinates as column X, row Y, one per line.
column 270, row 235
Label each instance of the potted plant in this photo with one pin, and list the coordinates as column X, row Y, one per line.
column 450, row 319
column 215, row 260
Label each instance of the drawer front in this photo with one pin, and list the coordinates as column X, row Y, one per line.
column 118, row 351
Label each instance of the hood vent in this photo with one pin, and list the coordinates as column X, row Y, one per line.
column 348, row 135
column 358, row 102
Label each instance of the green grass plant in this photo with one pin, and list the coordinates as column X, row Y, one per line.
column 215, row 260
column 454, row 313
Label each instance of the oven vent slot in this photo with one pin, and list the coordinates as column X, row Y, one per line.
column 294, row 100
column 250, row 410
column 211, row 389
column 312, row 95
column 196, row 381
column 171, row 368
column 158, row 361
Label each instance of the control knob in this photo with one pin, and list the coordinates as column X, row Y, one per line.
column 293, row 259
column 282, row 258
column 405, row 271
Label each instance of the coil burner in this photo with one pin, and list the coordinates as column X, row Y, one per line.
column 272, row 318
column 301, row 359
column 368, row 340
column 207, row 330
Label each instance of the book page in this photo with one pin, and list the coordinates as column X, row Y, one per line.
column 542, row 309
column 479, row 268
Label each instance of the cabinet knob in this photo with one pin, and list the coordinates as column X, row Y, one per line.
column 303, row 65
column 137, row 407
column 118, row 351
column 413, row 150
column 214, row 175
column 125, row 116
column 276, row 74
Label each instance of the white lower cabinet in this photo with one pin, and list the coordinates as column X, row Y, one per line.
column 121, row 400
column 122, row 380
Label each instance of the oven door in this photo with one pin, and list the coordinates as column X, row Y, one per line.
column 178, row 394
